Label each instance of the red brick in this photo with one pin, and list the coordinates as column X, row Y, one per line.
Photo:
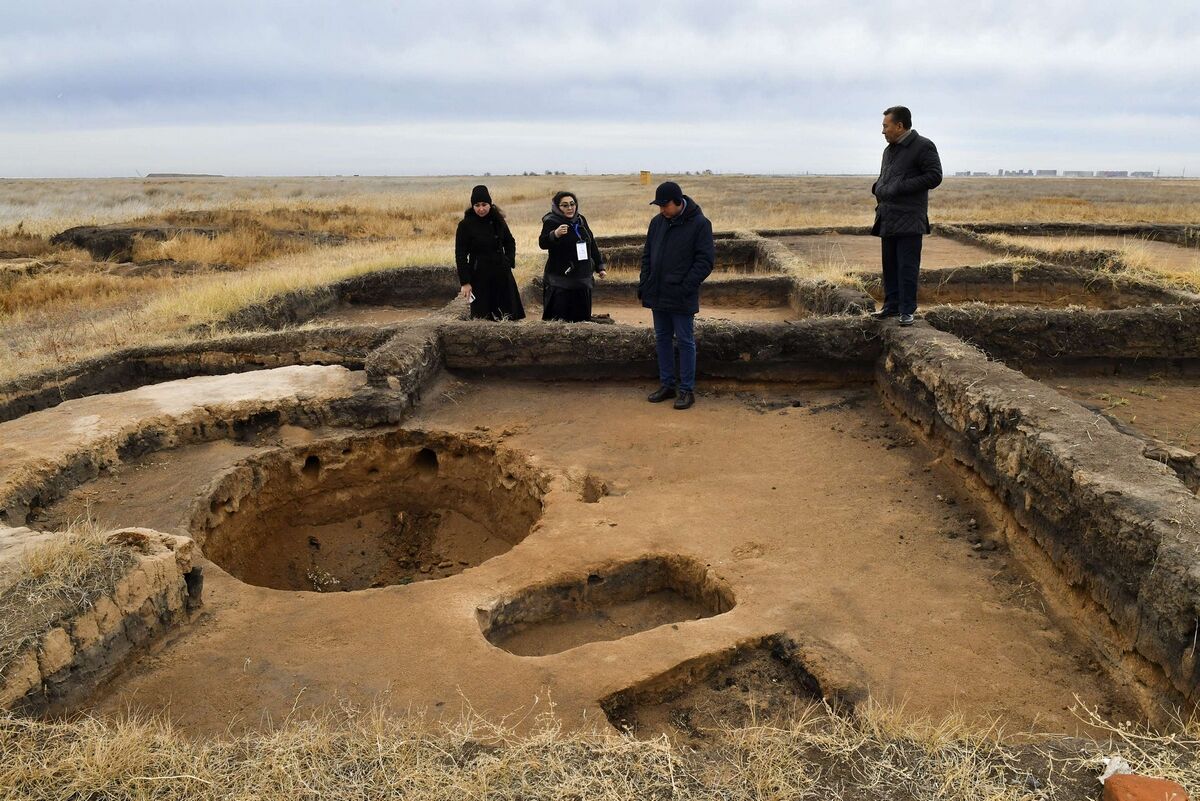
column 1131, row 787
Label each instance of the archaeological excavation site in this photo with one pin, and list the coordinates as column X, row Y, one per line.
column 354, row 496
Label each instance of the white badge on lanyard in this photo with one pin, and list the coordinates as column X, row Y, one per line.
column 581, row 251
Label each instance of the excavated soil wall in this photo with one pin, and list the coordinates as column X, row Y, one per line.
column 59, row 672
column 1086, row 258
column 763, row 290
column 1186, row 235
column 136, row 367
column 733, row 255
column 430, row 287
column 835, row 350
column 1033, row 285
column 1119, row 535
column 818, row 296
column 1161, row 337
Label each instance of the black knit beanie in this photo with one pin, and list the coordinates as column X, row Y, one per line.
column 480, row 194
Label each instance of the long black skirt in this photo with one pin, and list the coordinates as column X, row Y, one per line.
column 568, row 305
column 496, row 295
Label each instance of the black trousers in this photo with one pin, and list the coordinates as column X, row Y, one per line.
column 901, row 271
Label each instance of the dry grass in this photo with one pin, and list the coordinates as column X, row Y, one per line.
column 56, row 317
column 1137, row 257
column 59, row 577
column 241, row 246
column 366, row 755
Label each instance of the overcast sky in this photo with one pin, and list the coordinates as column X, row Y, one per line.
column 316, row 88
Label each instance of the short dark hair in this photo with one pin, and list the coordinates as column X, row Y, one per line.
column 900, row 114
column 558, row 197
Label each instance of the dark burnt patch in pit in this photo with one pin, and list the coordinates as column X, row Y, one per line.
column 771, row 680
column 367, row 510
column 606, row 603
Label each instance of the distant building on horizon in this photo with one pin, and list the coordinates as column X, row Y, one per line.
column 1142, row 174
column 1112, row 174
column 1047, row 173
column 1078, row 174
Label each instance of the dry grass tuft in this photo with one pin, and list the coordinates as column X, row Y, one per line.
column 61, row 576
column 244, row 244
column 821, row 754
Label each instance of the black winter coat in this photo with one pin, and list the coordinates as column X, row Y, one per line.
column 563, row 268
column 909, row 170
column 483, row 244
column 678, row 256
column 485, row 254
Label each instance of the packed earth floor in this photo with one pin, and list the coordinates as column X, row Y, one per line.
column 828, row 520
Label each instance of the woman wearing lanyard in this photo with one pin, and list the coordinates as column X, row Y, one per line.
column 572, row 259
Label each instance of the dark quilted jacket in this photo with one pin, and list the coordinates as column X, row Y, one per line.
column 678, row 256
column 910, row 169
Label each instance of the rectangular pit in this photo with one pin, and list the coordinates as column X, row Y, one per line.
column 382, row 297
column 851, row 252
column 1042, row 285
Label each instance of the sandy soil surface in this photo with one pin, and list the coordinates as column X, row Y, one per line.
column 156, row 489
column 1164, row 408
column 854, row 252
column 356, row 314
column 821, row 513
column 629, row 314
column 1146, row 252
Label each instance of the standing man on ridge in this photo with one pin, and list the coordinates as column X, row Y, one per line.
column 911, row 167
column 678, row 256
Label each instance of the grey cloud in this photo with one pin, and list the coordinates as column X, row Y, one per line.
column 69, row 66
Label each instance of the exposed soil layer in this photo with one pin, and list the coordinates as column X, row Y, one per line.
column 366, row 511
column 629, row 314
column 732, row 256
column 855, row 252
column 136, row 367
column 361, row 314
column 753, row 686
column 605, row 604
column 1058, row 341
column 1144, row 251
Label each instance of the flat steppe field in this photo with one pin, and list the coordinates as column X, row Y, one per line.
column 59, row 305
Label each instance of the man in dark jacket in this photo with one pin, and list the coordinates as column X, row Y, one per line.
column 678, row 256
column 911, row 168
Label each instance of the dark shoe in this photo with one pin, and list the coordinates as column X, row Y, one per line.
column 906, row 320
column 661, row 394
column 883, row 314
column 685, row 399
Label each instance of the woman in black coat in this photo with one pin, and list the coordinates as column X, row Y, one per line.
column 571, row 261
column 485, row 253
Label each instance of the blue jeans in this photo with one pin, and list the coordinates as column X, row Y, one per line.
column 901, row 272
column 668, row 325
